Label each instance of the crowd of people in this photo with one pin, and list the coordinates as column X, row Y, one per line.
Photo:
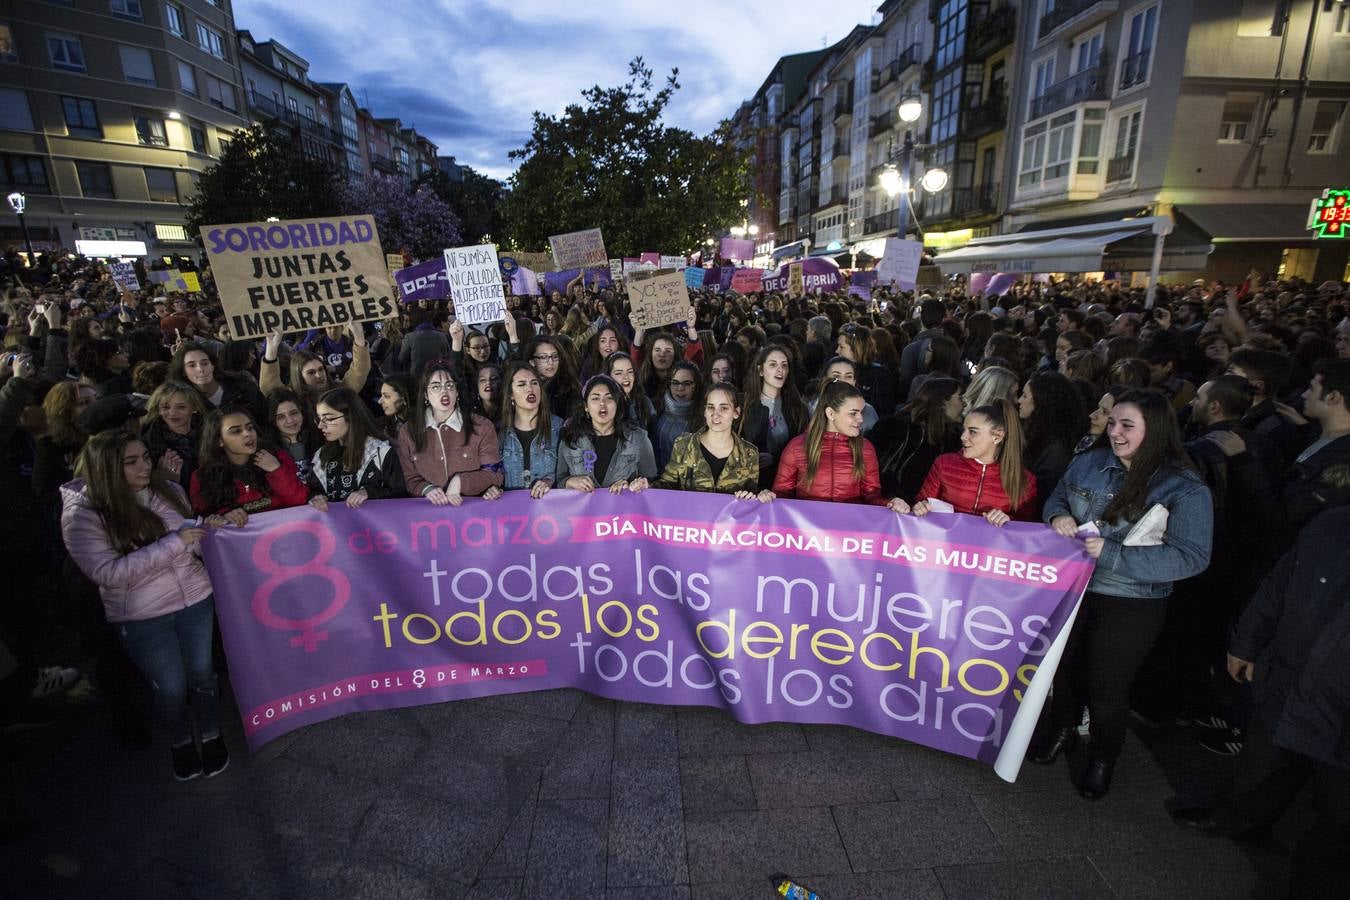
column 1196, row 443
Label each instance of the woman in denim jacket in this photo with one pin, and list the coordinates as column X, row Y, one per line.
column 1141, row 470
column 600, row 447
column 528, row 434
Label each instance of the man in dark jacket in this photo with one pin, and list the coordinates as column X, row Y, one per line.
column 1293, row 645
column 914, row 358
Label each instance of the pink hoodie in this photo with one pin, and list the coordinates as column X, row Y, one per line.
column 155, row 580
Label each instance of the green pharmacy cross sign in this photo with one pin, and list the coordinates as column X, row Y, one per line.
column 1329, row 216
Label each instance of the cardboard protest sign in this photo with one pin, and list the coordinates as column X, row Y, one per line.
column 616, row 270
column 535, row 262
column 747, row 281
column 658, row 300
column 423, row 281
column 476, row 284
column 796, row 286
column 579, row 249
column 299, row 274
column 671, row 262
column 124, row 274
column 900, row 263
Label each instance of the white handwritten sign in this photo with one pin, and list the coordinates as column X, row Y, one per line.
column 578, row 249
column 658, row 300
column 672, row 262
column 124, row 273
column 475, row 284
column 900, row 263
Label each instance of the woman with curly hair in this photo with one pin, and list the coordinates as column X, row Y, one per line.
column 237, row 474
column 56, row 451
column 775, row 411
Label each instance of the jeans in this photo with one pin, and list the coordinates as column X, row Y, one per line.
column 173, row 652
column 1110, row 639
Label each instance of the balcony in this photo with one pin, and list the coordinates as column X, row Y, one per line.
column 838, row 194
column 1089, row 84
column 991, row 29
column 980, row 200
column 842, row 107
column 840, row 148
column 381, row 163
column 267, row 108
column 1134, row 69
column 911, row 56
column 985, row 117
column 1081, row 12
column 884, row 122
column 1120, row 169
column 884, row 76
column 887, row 221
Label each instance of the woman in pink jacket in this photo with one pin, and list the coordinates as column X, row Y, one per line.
column 125, row 525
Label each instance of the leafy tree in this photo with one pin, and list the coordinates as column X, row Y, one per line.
column 610, row 163
column 262, row 174
column 414, row 219
column 476, row 200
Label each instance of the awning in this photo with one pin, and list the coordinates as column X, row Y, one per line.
column 1229, row 223
column 796, row 248
column 1093, row 247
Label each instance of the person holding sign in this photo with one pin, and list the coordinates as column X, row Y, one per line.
column 528, row 434
column 446, row 452
column 1148, row 519
column 601, row 447
column 309, row 371
column 715, row 459
column 355, row 464
column 832, row 460
column 987, row 477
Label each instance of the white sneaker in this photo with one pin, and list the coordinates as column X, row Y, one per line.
column 54, row 679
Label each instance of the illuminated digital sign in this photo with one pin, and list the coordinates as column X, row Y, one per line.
column 1329, row 214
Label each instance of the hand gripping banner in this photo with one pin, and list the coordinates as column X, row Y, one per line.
column 943, row 630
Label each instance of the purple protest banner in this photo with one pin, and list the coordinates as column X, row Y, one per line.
column 524, row 282
column 818, row 272
column 860, row 290
column 742, row 249
column 558, row 281
column 423, row 281
column 943, row 630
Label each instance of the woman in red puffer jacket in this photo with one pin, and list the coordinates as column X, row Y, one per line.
column 832, row 460
column 987, row 473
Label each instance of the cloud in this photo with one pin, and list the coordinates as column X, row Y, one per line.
column 469, row 73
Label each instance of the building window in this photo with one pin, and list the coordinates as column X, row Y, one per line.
column 1121, row 166
column 187, row 79
column 174, row 20
column 14, row 112
column 126, row 9
column 1137, row 54
column 137, row 66
column 26, row 173
column 1341, row 25
column 198, row 139
column 1090, row 142
column 218, row 93
column 150, row 130
column 209, row 39
column 1326, row 126
column 7, row 51
column 95, row 179
column 65, row 52
column 169, row 232
column 1236, row 120
column 1043, row 77
column 1033, row 155
column 81, row 117
column 293, row 105
column 1087, row 51
column 1059, row 146
column 162, row 184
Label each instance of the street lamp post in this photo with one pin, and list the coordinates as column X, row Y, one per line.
column 898, row 181
column 18, row 202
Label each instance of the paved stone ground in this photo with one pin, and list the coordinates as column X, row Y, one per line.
column 563, row 795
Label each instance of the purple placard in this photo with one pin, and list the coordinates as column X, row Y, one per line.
column 860, row 290
column 423, row 281
column 558, row 281
column 925, row 629
column 818, row 273
column 868, row 278
column 742, row 249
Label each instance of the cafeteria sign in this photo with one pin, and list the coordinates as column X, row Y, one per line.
column 1329, row 215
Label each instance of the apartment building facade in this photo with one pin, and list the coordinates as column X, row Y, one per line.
column 109, row 112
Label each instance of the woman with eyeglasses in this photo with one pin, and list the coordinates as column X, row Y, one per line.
column 641, row 410
column 601, row 447
column 446, row 452
column 678, row 409
column 774, row 409
column 528, row 434
column 878, row 386
column 832, row 460
column 837, row 368
column 715, row 459
column 554, row 366
column 356, row 463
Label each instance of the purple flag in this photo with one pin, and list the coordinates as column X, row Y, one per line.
column 423, row 281
column 742, row 249
column 558, row 281
column 943, row 630
column 524, row 282
column 818, row 272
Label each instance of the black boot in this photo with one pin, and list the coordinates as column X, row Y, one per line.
column 1061, row 740
column 1097, row 780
